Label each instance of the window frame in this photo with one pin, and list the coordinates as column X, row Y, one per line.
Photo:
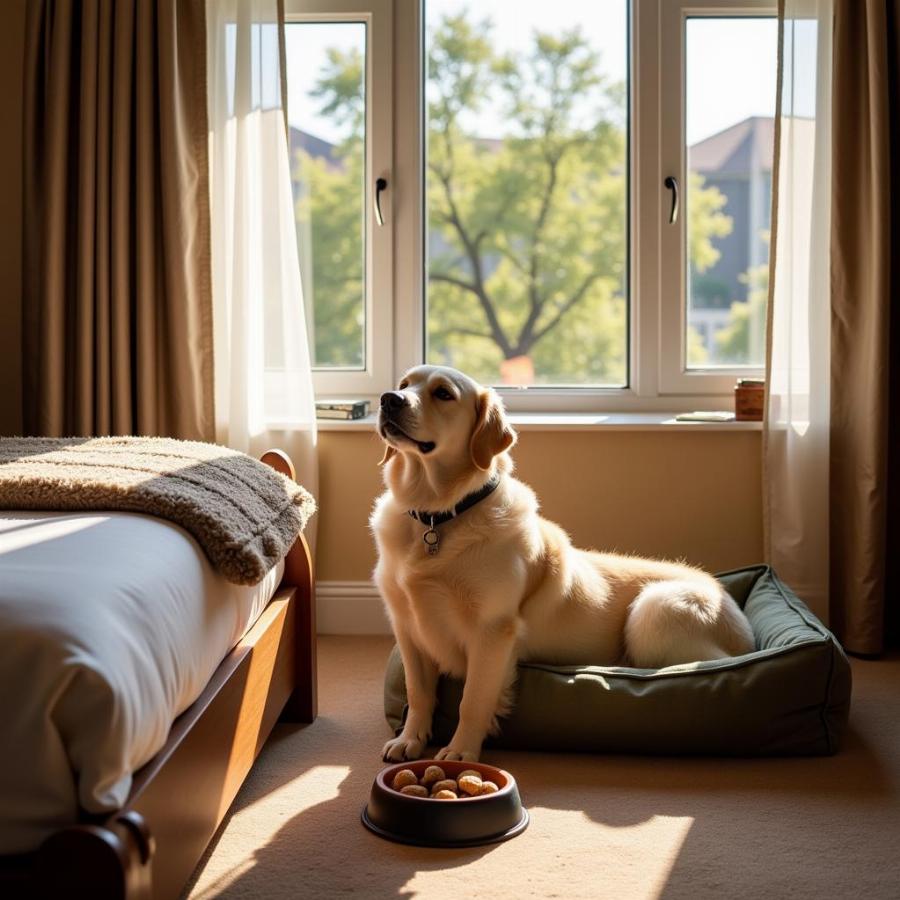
column 377, row 16
column 674, row 376
column 657, row 377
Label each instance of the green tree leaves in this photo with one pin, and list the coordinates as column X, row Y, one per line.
column 528, row 245
column 329, row 211
column 527, row 226
column 705, row 222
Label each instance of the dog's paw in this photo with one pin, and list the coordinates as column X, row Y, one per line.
column 402, row 748
column 454, row 753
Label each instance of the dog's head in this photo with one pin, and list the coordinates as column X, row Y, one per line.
column 442, row 417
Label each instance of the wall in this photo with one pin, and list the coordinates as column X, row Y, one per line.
column 11, row 52
column 672, row 494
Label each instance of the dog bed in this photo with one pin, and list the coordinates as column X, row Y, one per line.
column 790, row 697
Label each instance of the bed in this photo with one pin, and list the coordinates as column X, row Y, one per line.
column 150, row 791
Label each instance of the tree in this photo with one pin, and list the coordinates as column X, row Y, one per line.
column 532, row 247
column 330, row 217
column 528, row 233
column 706, row 221
column 741, row 342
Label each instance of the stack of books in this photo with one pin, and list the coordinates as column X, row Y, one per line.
column 341, row 409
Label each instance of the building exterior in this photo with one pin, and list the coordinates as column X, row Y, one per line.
column 737, row 161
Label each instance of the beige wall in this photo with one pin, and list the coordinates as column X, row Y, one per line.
column 11, row 49
column 673, row 494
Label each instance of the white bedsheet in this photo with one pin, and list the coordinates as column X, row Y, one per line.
column 111, row 624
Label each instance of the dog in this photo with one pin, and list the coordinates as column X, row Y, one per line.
column 474, row 580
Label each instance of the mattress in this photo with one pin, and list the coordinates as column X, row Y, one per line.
column 111, row 624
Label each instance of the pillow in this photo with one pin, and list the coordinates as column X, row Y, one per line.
column 790, row 697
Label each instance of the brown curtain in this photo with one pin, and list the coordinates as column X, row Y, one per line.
column 117, row 318
column 865, row 335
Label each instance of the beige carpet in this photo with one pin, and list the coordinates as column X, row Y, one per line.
column 601, row 827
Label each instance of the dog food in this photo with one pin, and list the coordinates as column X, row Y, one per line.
column 432, row 775
column 436, row 785
column 445, row 784
column 403, row 778
column 470, row 784
column 414, row 790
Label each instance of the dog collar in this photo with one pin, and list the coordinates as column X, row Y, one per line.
column 433, row 519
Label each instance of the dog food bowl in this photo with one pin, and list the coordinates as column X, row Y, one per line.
column 426, row 822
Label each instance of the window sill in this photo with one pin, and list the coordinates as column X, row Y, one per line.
column 530, row 421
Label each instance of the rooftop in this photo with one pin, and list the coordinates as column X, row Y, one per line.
column 743, row 147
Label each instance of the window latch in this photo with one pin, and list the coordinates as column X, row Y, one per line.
column 672, row 184
column 380, row 185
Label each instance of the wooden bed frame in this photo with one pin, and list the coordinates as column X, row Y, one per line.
column 149, row 849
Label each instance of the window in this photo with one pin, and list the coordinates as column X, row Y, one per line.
column 526, row 191
column 327, row 61
column 729, row 127
column 528, row 235
column 717, row 134
column 339, row 119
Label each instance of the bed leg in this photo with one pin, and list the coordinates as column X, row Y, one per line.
column 114, row 859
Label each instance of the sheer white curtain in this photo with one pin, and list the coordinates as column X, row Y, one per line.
column 796, row 445
column 264, row 394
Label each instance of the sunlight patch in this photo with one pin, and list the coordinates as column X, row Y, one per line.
column 257, row 823
column 596, row 859
column 23, row 532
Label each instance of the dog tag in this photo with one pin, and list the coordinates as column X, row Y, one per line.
column 431, row 540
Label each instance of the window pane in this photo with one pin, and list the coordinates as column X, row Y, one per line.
column 326, row 112
column 527, row 190
column 730, row 110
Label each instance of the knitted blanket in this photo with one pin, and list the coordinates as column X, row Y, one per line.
column 243, row 513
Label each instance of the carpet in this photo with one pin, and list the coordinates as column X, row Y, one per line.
column 618, row 827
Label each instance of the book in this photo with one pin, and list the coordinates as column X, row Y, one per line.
column 705, row 416
column 341, row 404
column 342, row 409
column 338, row 414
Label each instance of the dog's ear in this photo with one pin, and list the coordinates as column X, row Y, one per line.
column 492, row 433
column 389, row 451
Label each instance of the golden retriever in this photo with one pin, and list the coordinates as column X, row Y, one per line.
column 496, row 583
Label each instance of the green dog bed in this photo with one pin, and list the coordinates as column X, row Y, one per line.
column 790, row 697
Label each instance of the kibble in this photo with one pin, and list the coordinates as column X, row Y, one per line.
column 414, row 790
column 432, row 775
column 470, row 784
column 403, row 778
column 435, row 785
column 447, row 784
